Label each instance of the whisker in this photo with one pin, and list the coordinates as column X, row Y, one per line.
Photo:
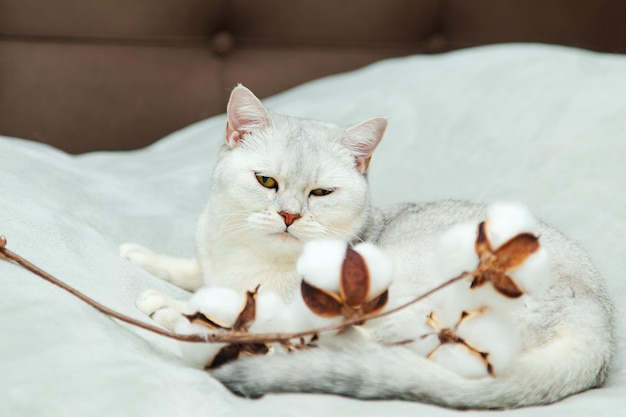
column 241, row 214
column 229, row 228
column 337, row 231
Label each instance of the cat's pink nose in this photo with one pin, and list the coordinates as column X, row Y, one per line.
column 289, row 217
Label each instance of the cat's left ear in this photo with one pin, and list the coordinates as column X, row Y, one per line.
column 245, row 114
column 362, row 139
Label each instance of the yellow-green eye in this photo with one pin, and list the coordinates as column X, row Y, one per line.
column 267, row 182
column 320, row 192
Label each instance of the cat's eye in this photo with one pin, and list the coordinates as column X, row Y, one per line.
column 267, row 182
column 320, row 192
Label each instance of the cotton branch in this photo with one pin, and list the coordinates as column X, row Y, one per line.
column 234, row 337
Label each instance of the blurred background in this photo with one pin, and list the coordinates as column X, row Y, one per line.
column 85, row 75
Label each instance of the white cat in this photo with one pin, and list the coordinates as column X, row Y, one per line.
column 282, row 181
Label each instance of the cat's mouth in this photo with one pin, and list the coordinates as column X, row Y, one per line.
column 285, row 236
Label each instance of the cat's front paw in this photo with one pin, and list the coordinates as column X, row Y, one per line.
column 160, row 307
column 144, row 258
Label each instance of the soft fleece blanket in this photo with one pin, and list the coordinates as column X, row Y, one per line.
column 539, row 124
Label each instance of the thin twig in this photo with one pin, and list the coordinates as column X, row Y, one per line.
column 227, row 337
column 10, row 256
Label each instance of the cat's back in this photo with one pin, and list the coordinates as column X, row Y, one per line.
column 409, row 235
column 418, row 228
column 566, row 333
column 576, row 298
column 412, row 232
column 421, row 223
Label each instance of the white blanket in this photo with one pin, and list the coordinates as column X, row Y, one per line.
column 539, row 124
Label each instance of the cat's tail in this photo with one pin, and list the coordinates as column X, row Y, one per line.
column 574, row 360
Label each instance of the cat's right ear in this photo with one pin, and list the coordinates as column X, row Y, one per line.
column 362, row 139
column 245, row 114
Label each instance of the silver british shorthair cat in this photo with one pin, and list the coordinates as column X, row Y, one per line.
column 282, row 181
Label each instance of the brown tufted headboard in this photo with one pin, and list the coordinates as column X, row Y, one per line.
column 87, row 75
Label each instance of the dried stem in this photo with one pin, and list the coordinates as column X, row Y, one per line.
column 10, row 256
column 226, row 337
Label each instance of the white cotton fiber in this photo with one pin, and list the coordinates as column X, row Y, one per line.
column 272, row 315
column 223, row 304
column 459, row 297
column 424, row 338
column 320, row 263
column 304, row 319
column 485, row 296
column 460, row 360
column 487, row 331
column 534, row 276
column 494, row 333
column 379, row 265
column 508, row 219
column 454, row 252
column 452, row 301
column 197, row 354
column 217, row 303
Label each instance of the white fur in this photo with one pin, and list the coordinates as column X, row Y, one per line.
column 566, row 330
column 242, row 238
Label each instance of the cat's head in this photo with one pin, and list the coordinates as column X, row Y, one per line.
column 283, row 180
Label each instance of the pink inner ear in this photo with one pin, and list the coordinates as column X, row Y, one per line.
column 363, row 163
column 362, row 139
column 245, row 113
column 232, row 136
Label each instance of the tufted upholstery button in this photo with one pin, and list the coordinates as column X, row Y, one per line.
column 222, row 43
column 435, row 43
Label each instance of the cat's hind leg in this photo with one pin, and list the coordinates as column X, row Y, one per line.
column 184, row 273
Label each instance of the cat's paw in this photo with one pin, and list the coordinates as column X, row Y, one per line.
column 159, row 307
column 144, row 258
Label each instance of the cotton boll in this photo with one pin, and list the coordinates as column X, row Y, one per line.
column 424, row 338
column 493, row 333
column 223, row 304
column 486, row 296
column 452, row 301
column 460, row 360
column 296, row 318
column 320, row 263
column 455, row 251
column 506, row 220
column 217, row 303
column 272, row 315
column 459, row 297
column 379, row 265
column 355, row 335
column 454, row 254
column 303, row 319
column 534, row 276
column 197, row 354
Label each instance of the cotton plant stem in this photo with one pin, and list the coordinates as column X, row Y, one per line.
column 10, row 256
column 226, row 337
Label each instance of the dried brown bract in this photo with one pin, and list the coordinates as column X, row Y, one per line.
column 352, row 301
column 494, row 265
column 450, row 336
column 245, row 318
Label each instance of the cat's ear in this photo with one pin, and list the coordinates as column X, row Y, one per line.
column 245, row 114
column 362, row 139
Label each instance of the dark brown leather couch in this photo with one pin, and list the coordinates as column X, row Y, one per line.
column 87, row 75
